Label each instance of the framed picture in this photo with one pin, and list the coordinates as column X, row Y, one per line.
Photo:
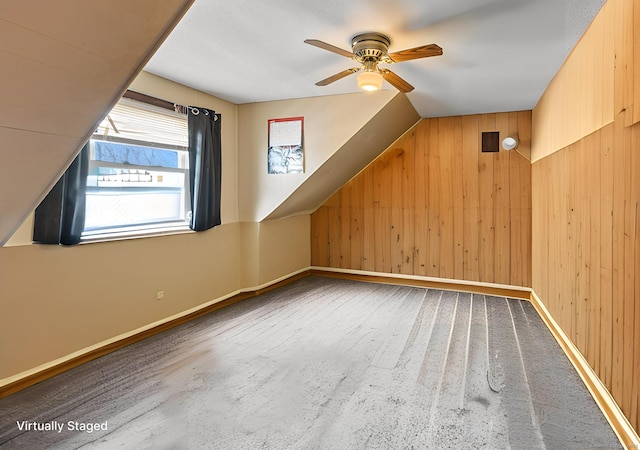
column 286, row 153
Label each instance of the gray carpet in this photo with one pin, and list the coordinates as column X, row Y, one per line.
column 328, row 364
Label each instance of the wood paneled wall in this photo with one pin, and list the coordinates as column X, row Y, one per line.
column 585, row 194
column 565, row 114
column 627, row 54
column 599, row 80
column 434, row 205
column 586, row 252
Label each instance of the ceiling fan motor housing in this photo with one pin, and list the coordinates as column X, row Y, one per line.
column 370, row 46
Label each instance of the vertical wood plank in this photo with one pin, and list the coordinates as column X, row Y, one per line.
column 628, row 55
column 618, row 258
column 597, row 55
column 395, row 231
column 356, row 219
column 623, row 71
column 421, row 176
column 556, row 208
column 380, row 194
column 335, row 236
column 569, row 245
column 487, row 206
column 386, row 204
column 368, row 233
column 458, row 200
column 470, row 202
column 629, row 270
column 583, row 247
column 540, row 228
column 608, row 63
column 345, row 226
column 538, row 210
column 606, row 254
column 520, row 220
column 636, row 63
column 408, row 203
column 526, row 187
column 446, row 151
column 433, row 199
column 501, row 170
column 592, row 183
column 635, row 405
column 634, row 416
column 516, row 227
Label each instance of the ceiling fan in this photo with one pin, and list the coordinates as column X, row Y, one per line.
column 371, row 49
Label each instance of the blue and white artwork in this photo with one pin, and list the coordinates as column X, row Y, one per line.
column 285, row 153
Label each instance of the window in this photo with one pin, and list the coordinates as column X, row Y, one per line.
column 138, row 172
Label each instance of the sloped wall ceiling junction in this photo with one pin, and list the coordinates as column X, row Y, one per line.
column 393, row 120
column 65, row 63
column 342, row 133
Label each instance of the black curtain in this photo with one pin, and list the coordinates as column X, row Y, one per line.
column 205, row 167
column 59, row 219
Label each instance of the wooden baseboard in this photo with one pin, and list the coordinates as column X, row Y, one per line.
column 619, row 423
column 447, row 285
column 76, row 361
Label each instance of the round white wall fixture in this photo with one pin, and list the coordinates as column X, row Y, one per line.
column 509, row 143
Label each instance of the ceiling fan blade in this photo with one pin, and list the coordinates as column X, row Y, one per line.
column 337, row 76
column 423, row 51
column 331, row 48
column 396, row 81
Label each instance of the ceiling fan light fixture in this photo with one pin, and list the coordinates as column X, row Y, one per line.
column 370, row 81
column 370, row 49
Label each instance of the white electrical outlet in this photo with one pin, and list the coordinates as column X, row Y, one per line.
column 160, row 295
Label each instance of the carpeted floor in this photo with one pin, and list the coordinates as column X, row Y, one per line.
column 328, row 364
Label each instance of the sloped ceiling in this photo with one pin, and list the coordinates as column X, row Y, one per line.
column 384, row 128
column 63, row 65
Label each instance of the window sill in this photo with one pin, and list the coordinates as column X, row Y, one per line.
column 126, row 234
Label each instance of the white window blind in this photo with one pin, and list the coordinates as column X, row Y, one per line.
column 138, row 121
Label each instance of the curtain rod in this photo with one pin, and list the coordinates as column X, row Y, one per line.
column 150, row 100
column 160, row 103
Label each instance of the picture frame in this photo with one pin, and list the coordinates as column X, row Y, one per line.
column 285, row 154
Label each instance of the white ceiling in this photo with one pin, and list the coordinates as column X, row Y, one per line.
column 499, row 55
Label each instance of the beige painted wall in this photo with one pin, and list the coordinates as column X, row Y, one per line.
column 274, row 247
column 60, row 300
column 330, row 121
column 284, row 245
